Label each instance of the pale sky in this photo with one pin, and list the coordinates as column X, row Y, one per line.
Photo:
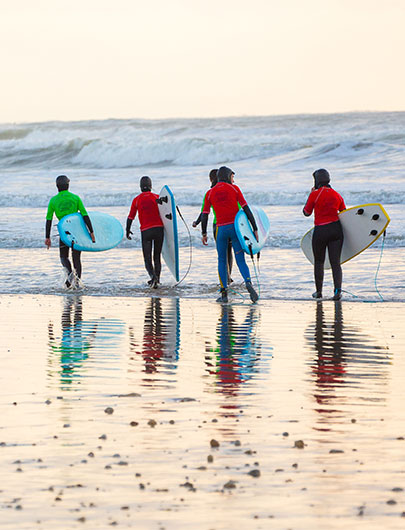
column 94, row 59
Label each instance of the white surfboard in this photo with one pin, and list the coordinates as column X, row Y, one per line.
column 108, row 231
column 168, row 214
column 244, row 230
column 362, row 226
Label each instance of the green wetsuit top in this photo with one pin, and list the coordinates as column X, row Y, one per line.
column 65, row 203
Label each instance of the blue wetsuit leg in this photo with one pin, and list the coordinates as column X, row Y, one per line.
column 224, row 233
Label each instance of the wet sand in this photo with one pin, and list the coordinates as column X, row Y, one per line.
column 179, row 413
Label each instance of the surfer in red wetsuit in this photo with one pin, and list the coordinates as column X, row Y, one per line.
column 225, row 198
column 326, row 203
column 151, row 229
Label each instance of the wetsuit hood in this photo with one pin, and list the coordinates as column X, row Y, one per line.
column 322, row 178
column 224, row 174
column 145, row 184
column 62, row 183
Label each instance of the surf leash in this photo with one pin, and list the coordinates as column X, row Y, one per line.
column 190, row 247
column 378, row 267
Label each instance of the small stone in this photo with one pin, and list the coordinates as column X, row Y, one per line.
column 109, row 410
column 82, row 519
column 91, row 454
column 48, row 401
column 391, row 502
column 210, row 459
column 254, row 473
column 397, row 489
column 134, row 423
column 103, row 437
column 152, row 423
column 299, row 444
column 286, row 434
column 335, row 451
column 230, row 485
column 214, row 443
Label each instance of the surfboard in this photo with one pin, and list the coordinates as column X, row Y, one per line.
column 362, row 225
column 168, row 214
column 73, row 231
column 244, row 230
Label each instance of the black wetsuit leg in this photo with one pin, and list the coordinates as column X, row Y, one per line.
column 64, row 259
column 152, row 237
column 157, row 251
column 329, row 237
column 64, row 256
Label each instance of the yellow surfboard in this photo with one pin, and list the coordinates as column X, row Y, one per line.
column 362, row 226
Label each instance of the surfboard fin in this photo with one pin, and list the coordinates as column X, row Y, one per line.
column 169, row 216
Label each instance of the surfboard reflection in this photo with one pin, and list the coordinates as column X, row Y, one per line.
column 78, row 338
column 161, row 336
column 234, row 360
column 345, row 357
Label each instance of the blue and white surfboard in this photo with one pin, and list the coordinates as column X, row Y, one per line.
column 168, row 214
column 244, row 230
column 73, row 231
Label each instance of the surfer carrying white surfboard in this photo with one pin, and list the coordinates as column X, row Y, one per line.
column 151, row 229
column 66, row 203
column 226, row 199
column 326, row 203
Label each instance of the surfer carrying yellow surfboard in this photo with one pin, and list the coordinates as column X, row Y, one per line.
column 326, row 203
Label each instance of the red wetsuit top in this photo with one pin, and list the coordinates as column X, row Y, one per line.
column 326, row 203
column 224, row 198
column 146, row 206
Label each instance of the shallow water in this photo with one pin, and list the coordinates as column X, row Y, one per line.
column 179, row 373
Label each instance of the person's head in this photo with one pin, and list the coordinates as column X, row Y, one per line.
column 62, row 183
column 225, row 174
column 321, row 178
column 145, row 184
column 213, row 177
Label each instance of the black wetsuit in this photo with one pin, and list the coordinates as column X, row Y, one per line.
column 152, row 236
column 329, row 236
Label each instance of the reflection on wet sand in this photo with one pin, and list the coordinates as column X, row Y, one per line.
column 160, row 343
column 75, row 342
column 344, row 358
column 77, row 339
column 234, row 360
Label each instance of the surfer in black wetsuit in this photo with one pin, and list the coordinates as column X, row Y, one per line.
column 326, row 204
column 152, row 232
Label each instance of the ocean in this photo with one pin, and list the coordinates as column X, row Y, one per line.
column 273, row 158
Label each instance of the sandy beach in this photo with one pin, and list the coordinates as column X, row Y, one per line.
column 178, row 413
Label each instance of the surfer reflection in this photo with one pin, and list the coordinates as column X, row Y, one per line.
column 344, row 357
column 161, row 336
column 234, row 360
column 75, row 342
column 329, row 342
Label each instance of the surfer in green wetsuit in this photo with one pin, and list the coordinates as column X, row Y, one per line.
column 65, row 203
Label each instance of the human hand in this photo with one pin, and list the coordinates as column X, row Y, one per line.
column 205, row 239
column 48, row 243
column 194, row 224
column 128, row 234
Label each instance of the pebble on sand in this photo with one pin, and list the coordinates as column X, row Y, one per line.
column 109, row 410
column 299, row 444
column 214, row 443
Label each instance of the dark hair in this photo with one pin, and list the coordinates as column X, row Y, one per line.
column 213, row 177
column 62, row 182
column 145, row 184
